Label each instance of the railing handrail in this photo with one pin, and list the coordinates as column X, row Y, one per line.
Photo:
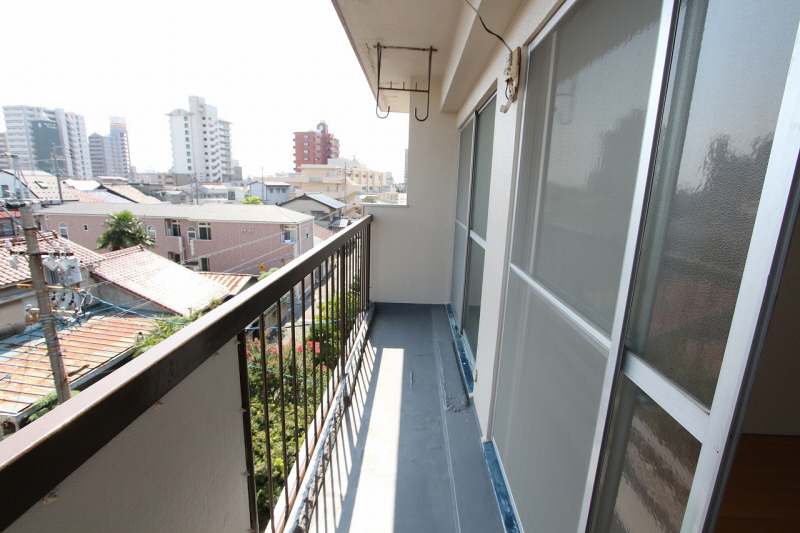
column 37, row 458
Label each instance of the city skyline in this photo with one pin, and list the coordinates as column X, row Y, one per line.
column 260, row 70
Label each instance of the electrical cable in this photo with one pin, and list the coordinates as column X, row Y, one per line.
column 487, row 29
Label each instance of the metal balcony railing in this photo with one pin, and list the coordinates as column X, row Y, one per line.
column 292, row 334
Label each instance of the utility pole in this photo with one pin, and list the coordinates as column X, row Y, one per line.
column 344, row 185
column 263, row 187
column 43, row 298
column 58, row 173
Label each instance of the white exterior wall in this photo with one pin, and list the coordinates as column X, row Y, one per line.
column 78, row 146
column 209, row 152
column 531, row 17
column 188, row 479
column 426, row 226
column 5, row 162
column 412, row 245
column 71, row 128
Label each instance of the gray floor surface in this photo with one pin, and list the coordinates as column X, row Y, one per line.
column 408, row 456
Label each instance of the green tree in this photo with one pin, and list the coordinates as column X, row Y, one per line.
column 124, row 230
column 267, row 273
column 252, row 200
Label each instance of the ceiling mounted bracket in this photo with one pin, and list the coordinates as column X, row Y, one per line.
column 402, row 88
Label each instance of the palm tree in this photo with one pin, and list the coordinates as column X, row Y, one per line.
column 124, row 230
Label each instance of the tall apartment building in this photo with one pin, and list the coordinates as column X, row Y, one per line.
column 314, row 147
column 5, row 162
column 110, row 154
column 201, row 142
column 32, row 131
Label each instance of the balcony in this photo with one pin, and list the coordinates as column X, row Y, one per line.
column 369, row 423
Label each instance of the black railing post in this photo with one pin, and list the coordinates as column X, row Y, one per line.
column 241, row 340
column 262, row 341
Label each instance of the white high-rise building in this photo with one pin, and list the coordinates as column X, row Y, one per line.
column 110, row 154
column 5, row 162
column 201, row 142
column 31, row 133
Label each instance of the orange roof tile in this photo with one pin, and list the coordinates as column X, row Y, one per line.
column 25, row 373
column 233, row 283
column 159, row 280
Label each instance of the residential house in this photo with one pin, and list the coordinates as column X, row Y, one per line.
column 138, row 278
column 270, row 192
column 323, row 208
column 13, row 187
column 602, row 246
column 35, row 184
column 209, row 237
column 213, row 193
column 347, row 180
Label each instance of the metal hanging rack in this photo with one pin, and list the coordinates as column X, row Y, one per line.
column 402, row 88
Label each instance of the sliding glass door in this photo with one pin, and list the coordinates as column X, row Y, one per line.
column 472, row 214
column 672, row 410
column 644, row 195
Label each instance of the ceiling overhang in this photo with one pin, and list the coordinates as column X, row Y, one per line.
column 462, row 45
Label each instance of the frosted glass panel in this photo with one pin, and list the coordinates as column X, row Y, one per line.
column 464, row 169
column 472, row 309
column 656, row 461
column 549, row 383
column 584, row 166
column 483, row 169
column 729, row 74
column 459, row 264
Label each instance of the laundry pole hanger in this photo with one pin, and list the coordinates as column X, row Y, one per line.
column 402, row 88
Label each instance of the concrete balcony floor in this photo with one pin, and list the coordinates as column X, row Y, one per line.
column 408, row 456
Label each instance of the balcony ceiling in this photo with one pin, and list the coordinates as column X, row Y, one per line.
column 450, row 26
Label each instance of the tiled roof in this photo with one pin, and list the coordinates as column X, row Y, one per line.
column 106, row 197
column 25, row 373
column 318, row 197
column 133, row 194
column 83, row 185
column 159, row 280
column 45, row 187
column 86, row 196
column 339, row 223
column 233, row 283
column 204, row 212
column 10, row 276
column 321, row 234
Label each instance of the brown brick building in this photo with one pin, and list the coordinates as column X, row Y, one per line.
column 314, row 147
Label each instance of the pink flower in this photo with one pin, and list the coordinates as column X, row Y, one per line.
column 273, row 351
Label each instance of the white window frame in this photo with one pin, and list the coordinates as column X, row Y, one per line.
column 289, row 234
column 203, row 231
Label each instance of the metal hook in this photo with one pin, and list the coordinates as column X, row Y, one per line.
column 378, row 95
column 428, row 92
column 416, row 88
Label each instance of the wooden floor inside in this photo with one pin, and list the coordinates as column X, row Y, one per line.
column 763, row 492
